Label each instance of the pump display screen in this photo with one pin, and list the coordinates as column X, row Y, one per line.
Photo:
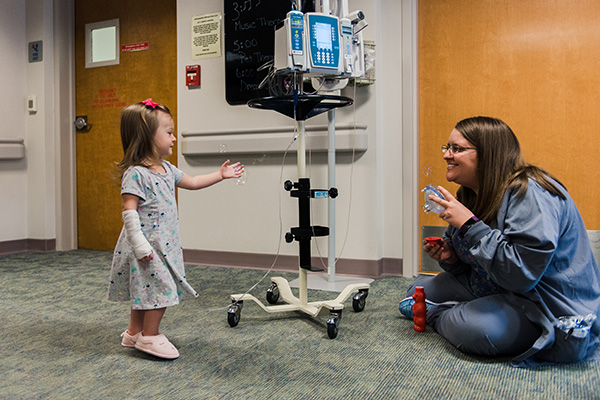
column 324, row 41
column 323, row 32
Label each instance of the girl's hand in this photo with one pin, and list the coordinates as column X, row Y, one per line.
column 441, row 252
column 148, row 258
column 455, row 213
column 231, row 171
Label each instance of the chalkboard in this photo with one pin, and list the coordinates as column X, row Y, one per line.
column 249, row 44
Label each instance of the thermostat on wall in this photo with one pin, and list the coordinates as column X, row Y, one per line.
column 32, row 104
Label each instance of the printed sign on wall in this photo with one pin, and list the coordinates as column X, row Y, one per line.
column 206, row 36
column 36, row 51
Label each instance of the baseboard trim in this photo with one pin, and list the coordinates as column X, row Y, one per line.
column 22, row 245
column 344, row 266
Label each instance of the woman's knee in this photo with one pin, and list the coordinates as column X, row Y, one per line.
column 420, row 281
column 442, row 287
column 487, row 328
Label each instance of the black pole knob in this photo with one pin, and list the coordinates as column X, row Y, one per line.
column 289, row 238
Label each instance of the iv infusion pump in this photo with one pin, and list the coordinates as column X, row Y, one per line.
column 318, row 44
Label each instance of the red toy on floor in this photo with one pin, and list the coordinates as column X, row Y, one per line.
column 419, row 309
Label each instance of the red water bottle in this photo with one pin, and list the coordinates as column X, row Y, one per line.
column 419, row 309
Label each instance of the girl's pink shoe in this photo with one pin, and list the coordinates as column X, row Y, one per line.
column 129, row 340
column 158, row 346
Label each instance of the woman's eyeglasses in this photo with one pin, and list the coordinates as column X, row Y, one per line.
column 455, row 148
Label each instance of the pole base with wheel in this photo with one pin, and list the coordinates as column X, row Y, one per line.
column 280, row 291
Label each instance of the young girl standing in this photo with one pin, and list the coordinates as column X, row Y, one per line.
column 147, row 266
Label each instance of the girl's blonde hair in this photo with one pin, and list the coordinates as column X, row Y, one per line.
column 139, row 123
column 500, row 167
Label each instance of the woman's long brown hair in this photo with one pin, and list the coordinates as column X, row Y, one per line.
column 500, row 167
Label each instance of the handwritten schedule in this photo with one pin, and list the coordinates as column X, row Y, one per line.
column 249, row 44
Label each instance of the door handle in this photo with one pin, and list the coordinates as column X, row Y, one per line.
column 81, row 124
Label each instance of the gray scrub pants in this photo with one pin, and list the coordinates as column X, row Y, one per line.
column 486, row 326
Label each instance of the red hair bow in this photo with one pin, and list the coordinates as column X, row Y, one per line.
column 148, row 102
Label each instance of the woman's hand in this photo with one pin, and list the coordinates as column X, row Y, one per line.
column 440, row 252
column 231, row 171
column 455, row 213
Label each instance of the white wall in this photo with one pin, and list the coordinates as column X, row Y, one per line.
column 29, row 200
column 246, row 218
column 40, row 141
column 13, row 79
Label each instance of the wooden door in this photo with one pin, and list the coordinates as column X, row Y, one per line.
column 101, row 94
column 533, row 64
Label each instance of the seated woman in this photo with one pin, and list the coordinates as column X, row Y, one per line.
column 519, row 276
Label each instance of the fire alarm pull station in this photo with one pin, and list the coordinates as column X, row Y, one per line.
column 192, row 76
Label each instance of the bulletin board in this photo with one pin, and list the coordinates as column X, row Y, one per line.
column 533, row 64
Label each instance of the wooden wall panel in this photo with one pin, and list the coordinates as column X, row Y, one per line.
column 534, row 64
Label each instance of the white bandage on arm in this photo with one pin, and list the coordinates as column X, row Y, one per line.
column 136, row 238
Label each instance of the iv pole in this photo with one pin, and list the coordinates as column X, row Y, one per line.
column 316, row 281
column 330, row 200
column 301, row 107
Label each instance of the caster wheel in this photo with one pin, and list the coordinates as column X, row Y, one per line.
column 358, row 304
column 332, row 330
column 273, row 294
column 233, row 314
column 332, row 323
column 359, row 300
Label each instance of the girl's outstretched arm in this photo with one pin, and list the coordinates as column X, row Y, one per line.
column 226, row 171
